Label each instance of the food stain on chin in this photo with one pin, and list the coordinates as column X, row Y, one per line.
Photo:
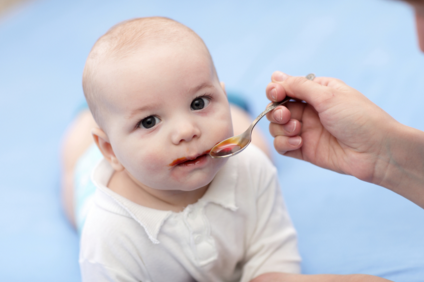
column 184, row 160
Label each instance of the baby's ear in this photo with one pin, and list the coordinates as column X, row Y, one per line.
column 102, row 142
column 223, row 87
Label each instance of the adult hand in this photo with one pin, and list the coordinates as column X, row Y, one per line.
column 337, row 128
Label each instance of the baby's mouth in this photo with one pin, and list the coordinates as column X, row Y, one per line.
column 189, row 161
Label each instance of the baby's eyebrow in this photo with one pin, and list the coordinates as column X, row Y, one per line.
column 141, row 109
column 205, row 84
column 194, row 89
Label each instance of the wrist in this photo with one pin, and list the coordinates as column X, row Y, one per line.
column 400, row 164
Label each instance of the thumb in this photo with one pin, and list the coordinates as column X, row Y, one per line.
column 314, row 92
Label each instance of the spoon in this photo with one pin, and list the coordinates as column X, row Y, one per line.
column 234, row 145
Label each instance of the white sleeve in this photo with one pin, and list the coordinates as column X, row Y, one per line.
column 272, row 247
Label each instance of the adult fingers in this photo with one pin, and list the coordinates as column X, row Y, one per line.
column 279, row 76
column 330, row 82
column 288, row 146
column 306, row 90
column 283, row 114
column 279, row 115
column 275, row 92
column 292, row 128
column 313, row 92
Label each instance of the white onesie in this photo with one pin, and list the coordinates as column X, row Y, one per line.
column 238, row 230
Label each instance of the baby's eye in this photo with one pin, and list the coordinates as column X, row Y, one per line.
column 149, row 122
column 199, row 103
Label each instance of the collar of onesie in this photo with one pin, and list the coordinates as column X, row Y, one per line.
column 221, row 191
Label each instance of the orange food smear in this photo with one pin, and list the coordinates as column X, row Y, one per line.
column 182, row 160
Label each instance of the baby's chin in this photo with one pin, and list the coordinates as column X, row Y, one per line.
column 194, row 184
column 200, row 179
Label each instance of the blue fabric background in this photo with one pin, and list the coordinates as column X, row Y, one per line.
column 344, row 225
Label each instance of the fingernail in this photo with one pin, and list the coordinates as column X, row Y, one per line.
column 291, row 126
column 278, row 115
column 273, row 94
column 279, row 76
column 295, row 141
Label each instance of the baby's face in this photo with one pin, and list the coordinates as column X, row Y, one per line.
column 165, row 109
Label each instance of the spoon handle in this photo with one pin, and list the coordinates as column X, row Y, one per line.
column 310, row 76
column 270, row 108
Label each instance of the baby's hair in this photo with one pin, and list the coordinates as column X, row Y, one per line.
column 124, row 39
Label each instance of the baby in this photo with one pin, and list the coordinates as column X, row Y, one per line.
column 163, row 209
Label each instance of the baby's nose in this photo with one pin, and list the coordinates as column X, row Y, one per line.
column 185, row 132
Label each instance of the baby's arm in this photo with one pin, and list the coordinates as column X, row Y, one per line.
column 285, row 277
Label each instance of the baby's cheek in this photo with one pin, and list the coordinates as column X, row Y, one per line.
column 219, row 128
column 224, row 122
column 152, row 162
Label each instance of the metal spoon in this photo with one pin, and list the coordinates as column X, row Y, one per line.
column 234, row 145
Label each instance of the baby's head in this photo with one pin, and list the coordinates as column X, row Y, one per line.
column 153, row 90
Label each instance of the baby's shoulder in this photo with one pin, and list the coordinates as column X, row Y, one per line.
column 110, row 244
column 112, row 217
column 104, row 229
column 101, row 221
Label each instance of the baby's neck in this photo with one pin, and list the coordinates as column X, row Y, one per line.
column 173, row 200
